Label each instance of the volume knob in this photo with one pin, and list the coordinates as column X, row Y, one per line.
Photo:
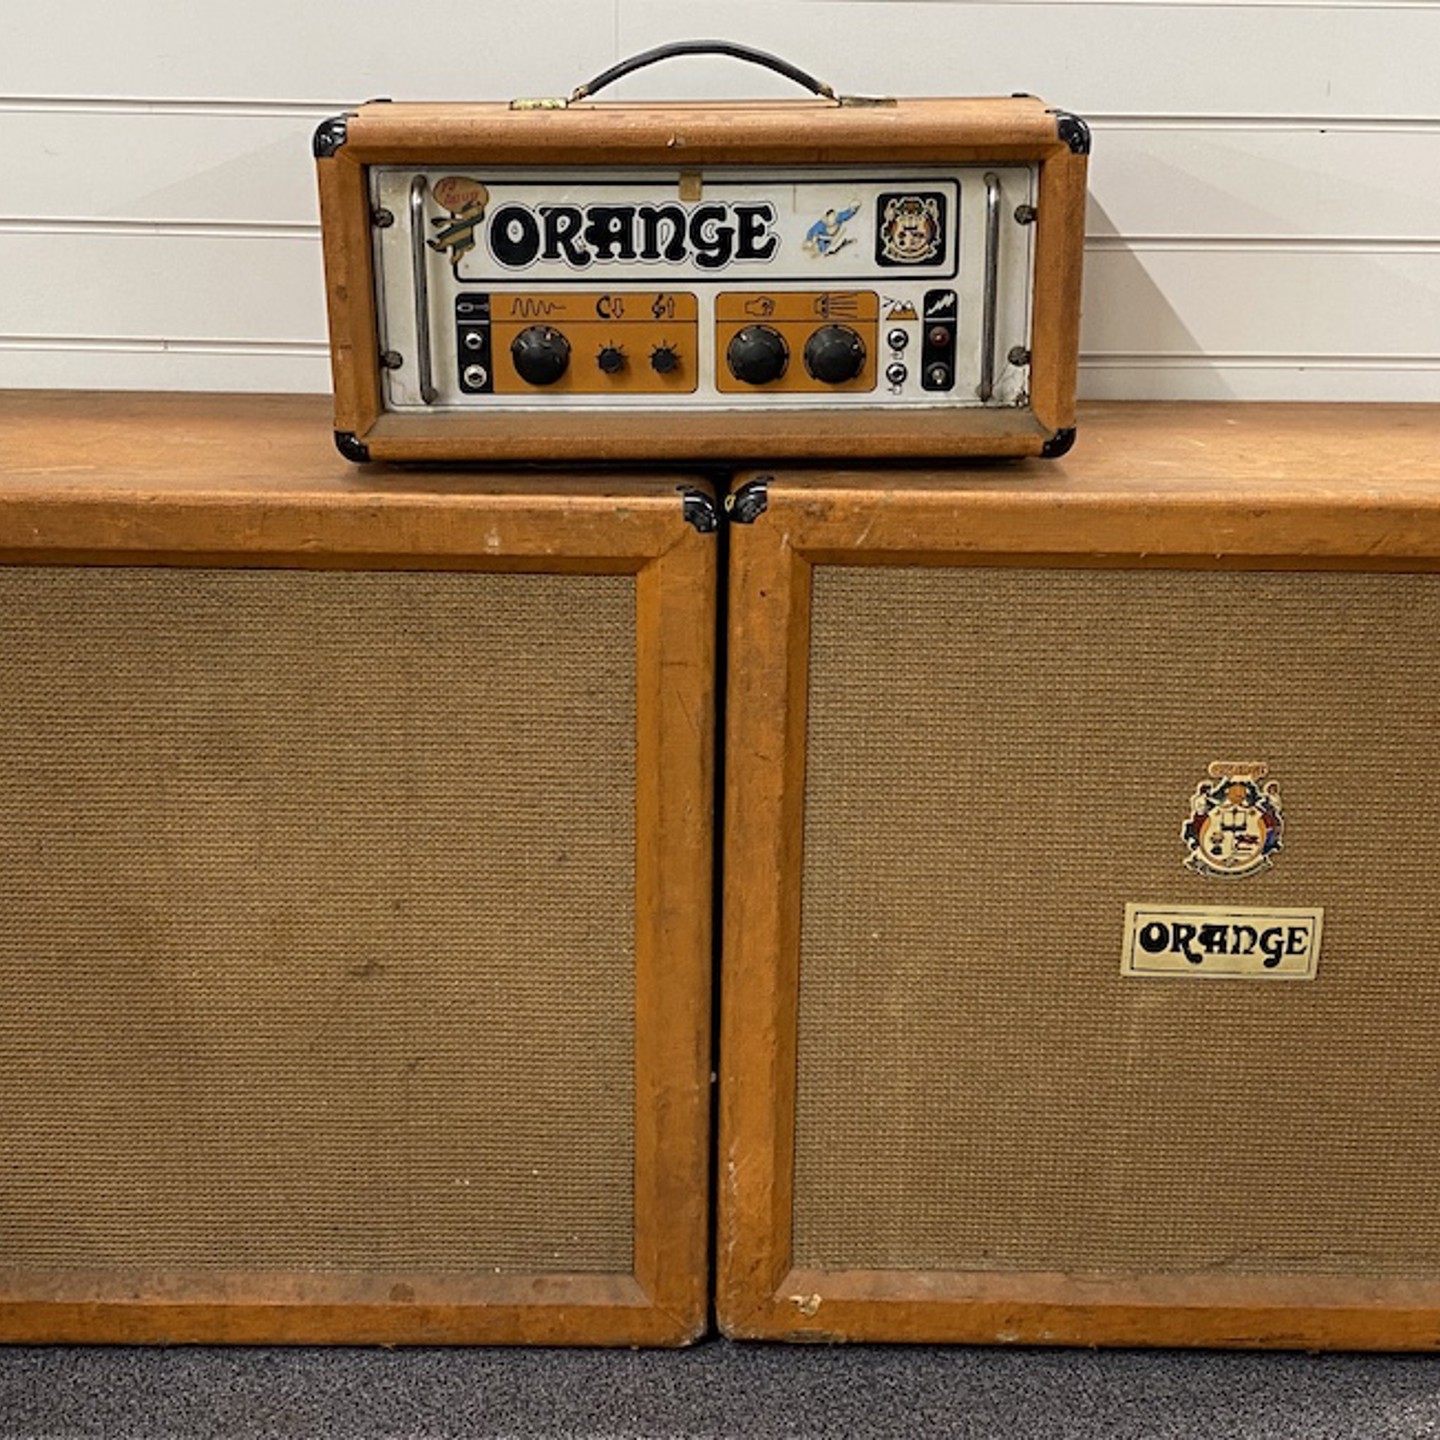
column 834, row 354
column 757, row 355
column 541, row 354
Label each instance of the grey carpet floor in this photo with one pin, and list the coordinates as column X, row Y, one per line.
column 717, row 1389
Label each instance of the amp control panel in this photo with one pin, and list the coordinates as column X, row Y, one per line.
column 510, row 291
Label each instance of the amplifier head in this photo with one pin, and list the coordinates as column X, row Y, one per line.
column 611, row 281
column 356, row 963
column 1081, row 969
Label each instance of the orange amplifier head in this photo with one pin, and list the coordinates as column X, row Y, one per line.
column 833, row 276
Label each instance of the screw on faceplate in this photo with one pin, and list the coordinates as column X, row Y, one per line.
column 1025, row 214
column 1019, row 355
column 382, row 219
column 391, row 359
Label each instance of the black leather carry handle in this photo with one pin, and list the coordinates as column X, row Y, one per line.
column 702, row 47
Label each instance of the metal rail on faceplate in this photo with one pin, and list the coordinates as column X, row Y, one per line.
column 986, row 388
column 420, row 270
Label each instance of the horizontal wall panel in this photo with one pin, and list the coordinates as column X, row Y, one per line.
column 164, row 286
column 1317, row 59
column 151, row 365
column 287, row 50
column 258, row 169
column 1230, row 182
column 1242, row 59
column 159, row 166
column 1262, row 377
column 1224, row 301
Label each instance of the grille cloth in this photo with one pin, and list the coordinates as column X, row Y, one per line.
column 317, row 947
column 998, row 761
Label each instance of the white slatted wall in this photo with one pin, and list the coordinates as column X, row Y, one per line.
column 1265, row 185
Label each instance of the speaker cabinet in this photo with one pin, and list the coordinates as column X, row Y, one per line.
column 354, row 845
column 990, row 732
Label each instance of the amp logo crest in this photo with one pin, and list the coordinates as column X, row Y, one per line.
column 1235, row 824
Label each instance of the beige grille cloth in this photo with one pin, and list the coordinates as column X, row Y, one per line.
column 317, row 942
column 999, row 759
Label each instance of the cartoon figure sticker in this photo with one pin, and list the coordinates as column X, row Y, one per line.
column 1235, row 824
column 826, row 236
column 466, row 200
column 911, row 229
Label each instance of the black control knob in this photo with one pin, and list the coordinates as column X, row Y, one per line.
column 541, row 354
column 664, row 359
column 611, row 359
column 757, row 355
column 834, row 354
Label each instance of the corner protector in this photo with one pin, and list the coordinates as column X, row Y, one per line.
column 330, row 135
column 351, row 447
column 699, row 509
column 1058, row 444
column 1073, row 131
column 747, row 504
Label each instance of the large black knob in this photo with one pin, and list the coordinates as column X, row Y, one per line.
column 541, row 354
column 834, row 354
column 757, row 355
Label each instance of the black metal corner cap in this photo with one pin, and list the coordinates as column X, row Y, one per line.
column 699, row 509
column 351, row 447
column 750, row 501
column 1073, row 131
column 1058, row 444
column 329, row 136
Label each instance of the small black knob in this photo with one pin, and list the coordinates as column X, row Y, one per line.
column 664, row 359
column 834, row 354
column 611, row 359
column 541, row 354
column 757, row 355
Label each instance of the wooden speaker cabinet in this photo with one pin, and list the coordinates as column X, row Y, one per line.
column 355, row 847
column 1081, row 974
